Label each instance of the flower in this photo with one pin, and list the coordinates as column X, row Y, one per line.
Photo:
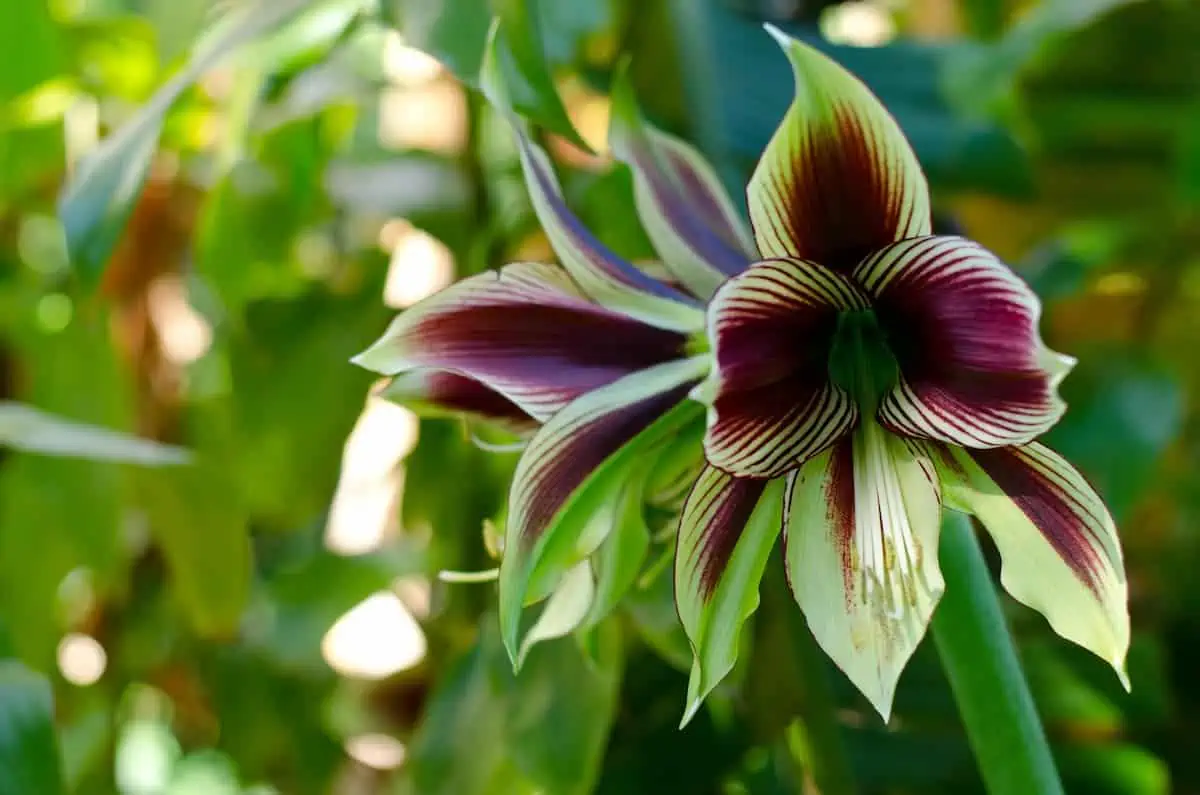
column 599, row 352
column 868, row 372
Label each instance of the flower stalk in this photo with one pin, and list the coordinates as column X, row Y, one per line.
column 977, row 653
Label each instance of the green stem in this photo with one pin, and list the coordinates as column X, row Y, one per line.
column 828, row 759
column 981, row 663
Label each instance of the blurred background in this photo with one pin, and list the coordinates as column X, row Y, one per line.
column 219, row 548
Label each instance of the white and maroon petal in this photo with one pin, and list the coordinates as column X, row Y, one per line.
column 603, row 275
column 686, row 212
column 441, row 392
column 726, row 532
column 606, row 277
column 1058, row 544
column 861, row 534
column 838, row 179
column 964, row 330
column 572, row 472
column 773, row 405
column 525, row 331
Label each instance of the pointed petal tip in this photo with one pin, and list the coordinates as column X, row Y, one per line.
column 1122, row 675
column 783, row 39
column 693, row 708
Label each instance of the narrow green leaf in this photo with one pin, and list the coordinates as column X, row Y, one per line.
column 521, row 60
column 96, row 203
column 35, row 431
column 29, row 758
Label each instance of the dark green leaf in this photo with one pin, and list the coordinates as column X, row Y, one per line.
column 29, row 759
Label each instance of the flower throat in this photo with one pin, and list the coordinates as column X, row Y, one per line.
column 860, row 359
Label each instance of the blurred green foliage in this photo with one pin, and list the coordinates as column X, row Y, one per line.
column 200, row 204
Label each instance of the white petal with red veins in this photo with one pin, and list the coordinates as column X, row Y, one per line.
column 862, row 523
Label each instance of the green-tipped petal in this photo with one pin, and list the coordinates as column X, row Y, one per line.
column 525, row 331
column 685, row 210
column 1059, row 546
column 726, row 533
column 565, row 610
column 838, row 179
column 606, row 277
column 569, row 478
column 618, row 561
column 861, row 526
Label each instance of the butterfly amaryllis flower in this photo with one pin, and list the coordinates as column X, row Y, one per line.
column 867, row 374
column 597, row 351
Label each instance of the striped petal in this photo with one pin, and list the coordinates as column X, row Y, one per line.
column 838, row 179
column 442, row 392
column 606, row 277
column 964, row 330
column 570, row 477
column 772, row 403
column 525, row 331
column 726, row 533
column 861, row 535
column 1060, row 551
column 603, row 275
column 686, row 212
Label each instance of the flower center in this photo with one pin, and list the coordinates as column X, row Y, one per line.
column 860, row 359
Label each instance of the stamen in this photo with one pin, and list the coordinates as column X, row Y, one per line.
column 889, row 557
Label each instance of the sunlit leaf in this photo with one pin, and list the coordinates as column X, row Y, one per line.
column 96, row 203
column 35, row 431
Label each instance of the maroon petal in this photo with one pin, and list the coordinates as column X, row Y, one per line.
column 526, row 332
column 773, row 405
column 963, row 328
column 447, row 392
column 838, row 179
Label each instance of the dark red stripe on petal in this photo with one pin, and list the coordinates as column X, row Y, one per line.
column 772, row 330
column 525, row 334
column 452, row 392
column 723, row 505
column 580, row 238
column 1063, row 515
column 837, row 191
column 582, row 449
column 839, row 506
column 964, row 332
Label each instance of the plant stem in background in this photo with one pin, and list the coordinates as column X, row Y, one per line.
column 828, row 759
column 978, row 654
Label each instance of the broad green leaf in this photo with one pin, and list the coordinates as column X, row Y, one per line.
column 455, row 32
column 29, row 758
column 984, row 78
column 486, row 731
column 95, row 205
column 32, row 46
column 35, row 431
column 59, row 513
column 196, row 516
